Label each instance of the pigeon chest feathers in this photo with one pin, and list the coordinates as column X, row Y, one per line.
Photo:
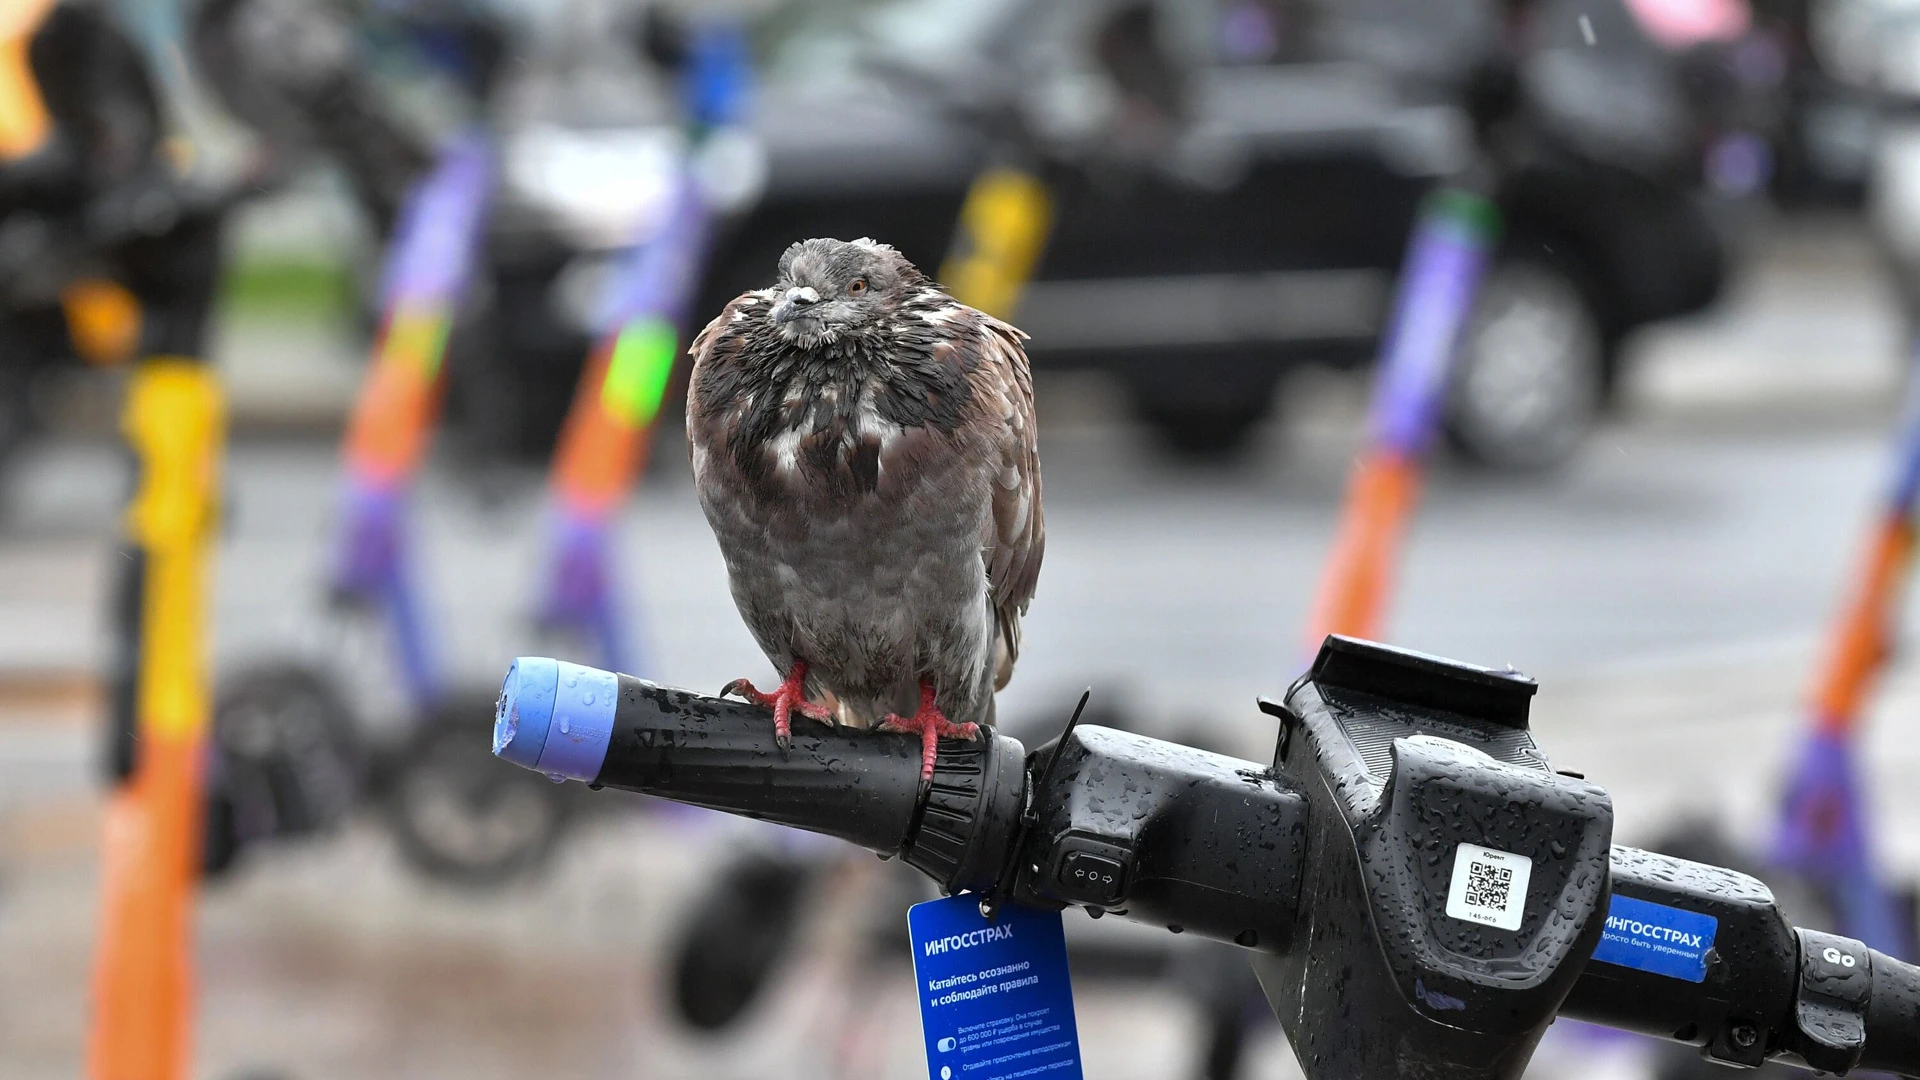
column 842, row 419
column 863, row 448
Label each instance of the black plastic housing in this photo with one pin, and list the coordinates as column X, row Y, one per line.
column 1168, row 835
column 1772, row 991
column 1750, row 973
column 1396, row 785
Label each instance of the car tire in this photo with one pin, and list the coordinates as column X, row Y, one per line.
column 1530, row 373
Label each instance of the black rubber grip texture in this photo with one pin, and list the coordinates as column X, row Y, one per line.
column 1893, row 1018
column 861, row 786
column 972, row 807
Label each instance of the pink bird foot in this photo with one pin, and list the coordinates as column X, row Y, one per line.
column 931, row 725
column 788, row 696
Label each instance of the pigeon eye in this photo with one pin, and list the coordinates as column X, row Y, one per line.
column 859, row 286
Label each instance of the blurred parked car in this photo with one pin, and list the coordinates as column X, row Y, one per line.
column 1872, row 47
column 1234, row 182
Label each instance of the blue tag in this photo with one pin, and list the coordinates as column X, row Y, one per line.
column 995, row 999
column 1657, row 938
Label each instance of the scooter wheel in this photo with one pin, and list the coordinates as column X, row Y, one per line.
column 286, row 760
column 462, row 815
column 739, row 931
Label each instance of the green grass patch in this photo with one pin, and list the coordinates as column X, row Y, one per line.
column 282, row 288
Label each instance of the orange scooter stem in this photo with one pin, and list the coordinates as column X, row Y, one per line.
column 142, row 1022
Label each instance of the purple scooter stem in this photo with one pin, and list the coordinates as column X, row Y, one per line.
column 1444, row 265
column 656, row 281
column 581, row 589
column 1823, row 835
column 373, row 568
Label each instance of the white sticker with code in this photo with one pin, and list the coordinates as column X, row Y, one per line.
column 1489, row 886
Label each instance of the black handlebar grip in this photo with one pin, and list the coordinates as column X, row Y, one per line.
column 581, row 723
column 1893, row 1018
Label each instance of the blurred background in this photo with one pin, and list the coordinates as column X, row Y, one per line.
column 430, row 248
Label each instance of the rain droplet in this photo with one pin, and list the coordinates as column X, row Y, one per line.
column 587, row 700
column 563, row 725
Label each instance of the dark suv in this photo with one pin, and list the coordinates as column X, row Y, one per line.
column 1240, row 199
column 1234, row 183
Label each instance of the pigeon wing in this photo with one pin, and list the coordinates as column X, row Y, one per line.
column 1003, row 389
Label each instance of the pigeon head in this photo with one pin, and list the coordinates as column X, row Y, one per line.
column 830, row 289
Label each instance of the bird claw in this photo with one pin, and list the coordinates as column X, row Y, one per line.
column 931, row 725
column 789, row 695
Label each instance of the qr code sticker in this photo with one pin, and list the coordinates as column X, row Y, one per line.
column 1489, row 886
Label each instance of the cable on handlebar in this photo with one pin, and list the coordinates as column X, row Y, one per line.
column 996, row 894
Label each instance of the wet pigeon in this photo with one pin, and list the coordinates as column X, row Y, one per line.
column 863, row 445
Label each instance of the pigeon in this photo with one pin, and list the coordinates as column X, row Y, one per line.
column 863, row 446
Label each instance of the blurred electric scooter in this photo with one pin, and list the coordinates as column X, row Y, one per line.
column 92, row 199
column 295, row 758
column 601, row 449
column 1824, row 847
column 1521, row 86
column 114, row 254
column 299, row 755
column 1825, row 839
column 447, row 307
column 1874, row 47
column 1823, row 851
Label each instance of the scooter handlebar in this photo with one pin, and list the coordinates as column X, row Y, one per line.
column 1138, row 828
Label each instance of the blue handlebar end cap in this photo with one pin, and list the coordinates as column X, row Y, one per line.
column 525, row 711
column 556, row 718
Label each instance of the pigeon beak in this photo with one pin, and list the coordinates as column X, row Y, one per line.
column 796, row 304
